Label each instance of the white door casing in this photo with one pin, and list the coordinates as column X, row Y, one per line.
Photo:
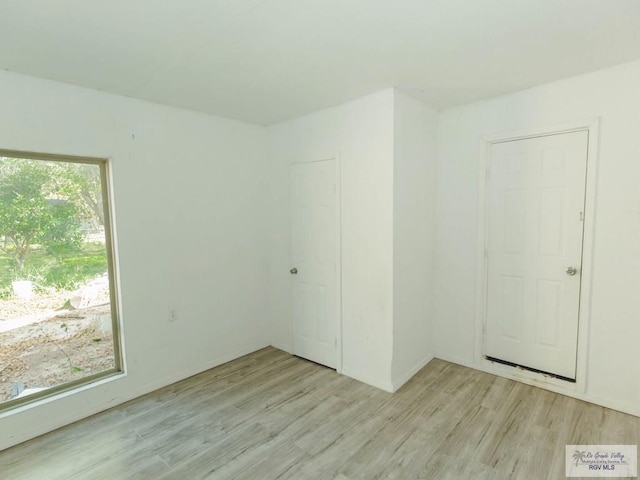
column 314, row 242
column 536, row 197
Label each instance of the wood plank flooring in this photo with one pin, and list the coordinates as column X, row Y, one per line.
column 270, row 415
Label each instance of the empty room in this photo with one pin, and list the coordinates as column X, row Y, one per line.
column 319, row 239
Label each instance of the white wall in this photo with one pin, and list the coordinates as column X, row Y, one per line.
column 189, row 216
column 386, row 144
column 414, row 229
column 180, row 176
column 361, row 134
column 613, row 378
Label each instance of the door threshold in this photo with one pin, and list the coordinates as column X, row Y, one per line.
column 313, row 361
column 531, row 369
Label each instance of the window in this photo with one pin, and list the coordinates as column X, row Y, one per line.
column 58, row 313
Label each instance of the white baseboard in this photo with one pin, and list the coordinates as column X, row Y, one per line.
column 283, row 347
column 402, row 379
column 374, row 382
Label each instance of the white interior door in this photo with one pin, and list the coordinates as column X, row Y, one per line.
column 536, row 193
column 314, row 269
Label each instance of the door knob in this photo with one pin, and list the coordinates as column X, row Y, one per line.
column 571, row 271
column 293, row 271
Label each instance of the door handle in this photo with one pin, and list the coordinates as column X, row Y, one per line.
column 293, row 271
column 571, row 271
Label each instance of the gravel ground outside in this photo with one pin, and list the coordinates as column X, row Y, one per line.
column 59, row 344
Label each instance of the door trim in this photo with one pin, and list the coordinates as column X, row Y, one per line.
column 338, row 179
column 545, row 381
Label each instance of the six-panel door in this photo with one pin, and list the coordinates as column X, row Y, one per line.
column 536, row 191
column 313, row 244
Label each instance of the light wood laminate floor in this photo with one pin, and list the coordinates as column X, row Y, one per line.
column 271, row 415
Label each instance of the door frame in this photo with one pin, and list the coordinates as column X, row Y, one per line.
column 338, row 179
column 591, row 126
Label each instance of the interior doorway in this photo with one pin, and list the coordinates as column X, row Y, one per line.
column 314, row 270
column 535, row 223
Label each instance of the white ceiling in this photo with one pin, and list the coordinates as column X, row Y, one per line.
column 264, row 61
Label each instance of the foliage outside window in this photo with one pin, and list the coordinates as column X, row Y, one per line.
column 58, row 325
